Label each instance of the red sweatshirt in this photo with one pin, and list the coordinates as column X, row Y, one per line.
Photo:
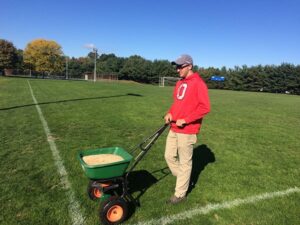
column 191, row 103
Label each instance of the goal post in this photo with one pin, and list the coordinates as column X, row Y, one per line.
column 168, row 81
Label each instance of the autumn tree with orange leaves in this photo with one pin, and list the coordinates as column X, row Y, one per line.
column 44, row 56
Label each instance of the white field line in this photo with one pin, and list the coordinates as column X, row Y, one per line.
column 213, row 207
column 74, row 207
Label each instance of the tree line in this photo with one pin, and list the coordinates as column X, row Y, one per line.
column 47, row 58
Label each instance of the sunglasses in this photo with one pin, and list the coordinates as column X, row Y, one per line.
column 179, row 67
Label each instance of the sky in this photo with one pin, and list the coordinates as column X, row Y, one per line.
column 215, row 33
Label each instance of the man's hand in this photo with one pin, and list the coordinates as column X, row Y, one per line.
column 168, row 118
column 180, row 123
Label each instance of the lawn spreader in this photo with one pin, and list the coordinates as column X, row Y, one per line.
column 109, row 182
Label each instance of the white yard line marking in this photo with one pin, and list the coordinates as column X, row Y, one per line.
column 213, row 207
column 74, row 207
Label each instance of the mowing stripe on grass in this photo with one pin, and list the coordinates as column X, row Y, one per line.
column 74, row 207
column 213, row 207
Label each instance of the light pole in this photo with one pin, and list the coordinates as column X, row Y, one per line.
column 95, row 68
column 66, row 67
column 93, row 47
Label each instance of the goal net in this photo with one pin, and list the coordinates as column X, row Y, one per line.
column 101, row 77
column 168, row 81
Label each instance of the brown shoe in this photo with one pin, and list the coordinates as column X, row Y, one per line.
column 175, row 200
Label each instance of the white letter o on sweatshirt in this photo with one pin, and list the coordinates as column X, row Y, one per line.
column 181, row 91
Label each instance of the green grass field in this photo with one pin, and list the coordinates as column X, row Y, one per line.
column 249, row 145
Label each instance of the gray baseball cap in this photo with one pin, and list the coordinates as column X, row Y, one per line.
column 183, row 59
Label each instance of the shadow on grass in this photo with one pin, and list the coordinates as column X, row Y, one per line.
column 139, row 181
column 71, row 100
column 202, row 156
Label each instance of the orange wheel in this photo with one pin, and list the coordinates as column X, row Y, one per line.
column 113, row 211
column 94, row 192
column 97, row 193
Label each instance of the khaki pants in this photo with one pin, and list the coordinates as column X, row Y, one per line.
column 178, row 155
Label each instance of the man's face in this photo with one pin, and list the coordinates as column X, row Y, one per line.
column 183, row 70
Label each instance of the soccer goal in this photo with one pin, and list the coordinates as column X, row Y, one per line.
column 168, row 81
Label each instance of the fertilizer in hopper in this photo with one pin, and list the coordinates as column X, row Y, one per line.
column 93, row 160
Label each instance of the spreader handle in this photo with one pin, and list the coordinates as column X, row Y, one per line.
column 150, row 141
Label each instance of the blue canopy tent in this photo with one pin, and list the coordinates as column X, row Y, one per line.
column 217, row 78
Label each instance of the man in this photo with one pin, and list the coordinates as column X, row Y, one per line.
column 191, row 104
